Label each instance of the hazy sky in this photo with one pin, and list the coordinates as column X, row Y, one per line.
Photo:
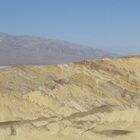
column 112, row 25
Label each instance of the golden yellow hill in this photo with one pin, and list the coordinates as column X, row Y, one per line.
column 83, row 100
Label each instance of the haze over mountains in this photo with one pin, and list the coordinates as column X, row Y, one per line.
column 41, row 51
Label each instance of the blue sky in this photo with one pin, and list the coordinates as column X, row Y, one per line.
column 112, row 25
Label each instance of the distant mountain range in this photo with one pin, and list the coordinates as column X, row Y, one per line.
column 41, row 51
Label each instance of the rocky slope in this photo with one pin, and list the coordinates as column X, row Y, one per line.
column 84, row 100
column 41, row 51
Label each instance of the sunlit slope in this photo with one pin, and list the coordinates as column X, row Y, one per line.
column 80, row 100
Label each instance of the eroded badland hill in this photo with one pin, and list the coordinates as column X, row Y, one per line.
column 85, row 100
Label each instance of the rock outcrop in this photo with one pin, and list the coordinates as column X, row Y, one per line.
column 97, row 99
